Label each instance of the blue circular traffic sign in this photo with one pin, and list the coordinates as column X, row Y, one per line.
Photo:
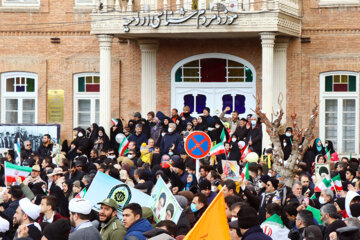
column 197, row 144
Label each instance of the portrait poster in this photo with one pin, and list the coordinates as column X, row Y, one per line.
column 103, row 186
column 165, row 206
column 231, row 169
column 322, row 171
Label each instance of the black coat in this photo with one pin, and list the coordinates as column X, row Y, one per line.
column 255, row 135
column 241, row 133
column 45, row 151
column 183, row 225
column 288, row 148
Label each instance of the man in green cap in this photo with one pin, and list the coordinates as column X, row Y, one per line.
column 111, row 227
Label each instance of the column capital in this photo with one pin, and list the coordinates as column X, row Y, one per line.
column 281, row 44
column 148, row 44
column 267, row 39
column 105, row 40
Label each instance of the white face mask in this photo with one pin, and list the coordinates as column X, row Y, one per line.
column 260, row 185
column 213, row 188
column 130, row 156
column 170, row 130
column 111, row 157
column 322, row 200
column 288, row 134
column 253, row 122
column 326, row 145
column 234, row 139
column 171, row 153
column 80, row 134
column 163, row 134
column 234, row 219
column 217, row 126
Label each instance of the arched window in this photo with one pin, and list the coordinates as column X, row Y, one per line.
column 19, row 97
column 339, row 110
column 86, row 99
column 216, row 81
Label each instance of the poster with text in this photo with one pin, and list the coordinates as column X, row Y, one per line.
column 165, row 206
column 103, row 186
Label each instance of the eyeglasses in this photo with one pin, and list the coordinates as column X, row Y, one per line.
column 111, row 153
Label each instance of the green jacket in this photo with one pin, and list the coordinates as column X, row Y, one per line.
column 113, row 230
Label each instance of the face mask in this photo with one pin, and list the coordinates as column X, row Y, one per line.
column 193, row 207
column 260, row 185
column 322, row 200
column 111, row 157
column 170, row 130
column 163, row 134
column 253, row 122
column 130, row 156
column 234, row 139
column 234, row 219
column 171, row 153
column 326, row 144
column 288, row 134
column 213, row 188
column 217, row 126
column 80, row 134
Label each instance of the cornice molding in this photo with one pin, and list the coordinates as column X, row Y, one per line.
column 321, row 31
column 45, row 33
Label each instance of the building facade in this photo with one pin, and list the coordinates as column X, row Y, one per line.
column 113, row 58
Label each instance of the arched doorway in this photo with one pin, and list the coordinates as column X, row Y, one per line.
column 213, row 80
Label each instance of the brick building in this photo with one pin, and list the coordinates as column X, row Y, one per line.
column 118, row 57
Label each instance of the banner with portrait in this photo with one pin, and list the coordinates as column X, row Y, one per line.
column 103, row 186
column 165, row 206
column 322, row 171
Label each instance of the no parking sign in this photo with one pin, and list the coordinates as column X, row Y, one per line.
column 197, row 145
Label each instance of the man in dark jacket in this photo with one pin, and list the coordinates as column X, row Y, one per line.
column 134, row 223
column 171, row 143
column 329, row 217
column 254, row 137
column 11, row 201
column 242, row 130
column 139, row 137
column 249, row 226
column 46, row 147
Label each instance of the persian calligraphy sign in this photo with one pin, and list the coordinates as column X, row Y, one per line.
column 167, row 18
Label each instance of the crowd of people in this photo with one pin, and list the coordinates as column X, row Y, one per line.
column 46, row 204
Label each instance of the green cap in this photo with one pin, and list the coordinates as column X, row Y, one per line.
column 110, row 202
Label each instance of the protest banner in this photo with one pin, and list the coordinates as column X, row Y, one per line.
column 165, row 206
column 231, row 169
column 103, row 186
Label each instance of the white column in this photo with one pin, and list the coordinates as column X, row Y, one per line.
column 280, row 59
column 267, row 43
column 148, row 75
column 105, row 42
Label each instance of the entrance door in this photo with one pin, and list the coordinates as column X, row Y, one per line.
column 216, row 81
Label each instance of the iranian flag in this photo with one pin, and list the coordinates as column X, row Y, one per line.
column 81, row 194
column 223, row 136
column 246, row 151
column 114, row 121
column 245, row 172
column 337, row 182
column 12, row 171
column 324, row 184
column 123, row 148
column 217, row 149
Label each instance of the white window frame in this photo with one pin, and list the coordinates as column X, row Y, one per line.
column 86, row 96
column 339, row 96
column 20, row 96
column 21, row 3
column 80, row 3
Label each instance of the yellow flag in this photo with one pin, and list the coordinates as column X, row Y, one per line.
column 213, row 223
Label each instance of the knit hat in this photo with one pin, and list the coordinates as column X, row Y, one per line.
column 181, row 200
column 241, row 144
column 265, row 178
column 274, row 182
column 178, row 162
column 247, row 217
column 58, row 230
column 137, row 115
column 188, row 194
